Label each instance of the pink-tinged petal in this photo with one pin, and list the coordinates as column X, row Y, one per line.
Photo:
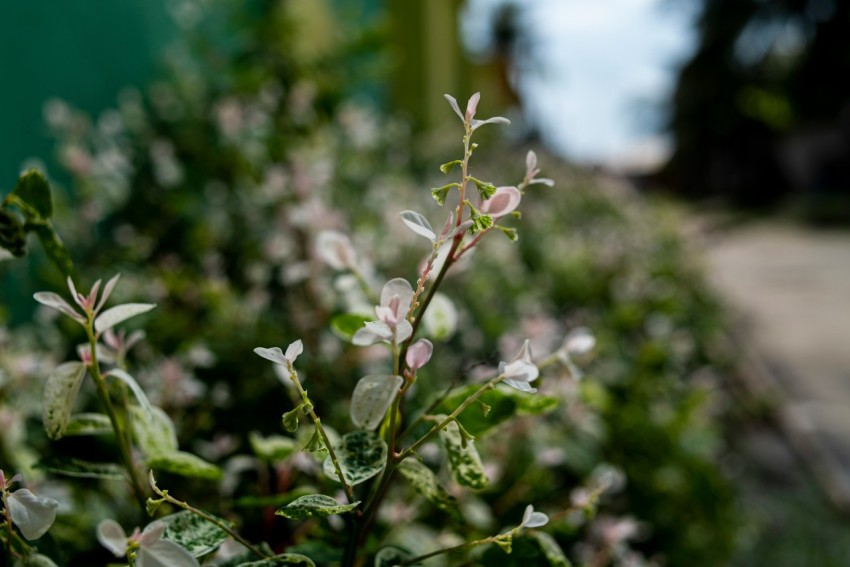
column 386, row 315
column 151, row 534
column 274, row 354
column 111, row 536
column 335, row 249
column 530, row 164
column 455, row 107
column 472, row 105
column 373, row 332
column 503, row 202
column 403, row 331
column 293, row 350
column 397, row 287
column 419, row 353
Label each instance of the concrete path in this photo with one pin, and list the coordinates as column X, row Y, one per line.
column 790, row 289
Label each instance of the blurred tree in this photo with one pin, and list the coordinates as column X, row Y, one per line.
column 757, row 111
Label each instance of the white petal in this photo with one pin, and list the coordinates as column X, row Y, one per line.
column 32, row 514
column 521, row 386
column 107, row 291
column 274, row 354
column 542, row 181
column 373, row 332
column 165, row 553
column 56, row 302
column 532, row 519
column 455, row 107
column 152, row 533
column 111, row 536
column 293, row 350
column 418, row 224
column 400, row 287
column 335, row 249
column 403, row 331
column 519, row 370
column 530, row 161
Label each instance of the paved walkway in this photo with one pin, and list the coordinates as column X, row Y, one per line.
column 790, row 287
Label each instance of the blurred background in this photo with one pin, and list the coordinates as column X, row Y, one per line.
column 702, row 154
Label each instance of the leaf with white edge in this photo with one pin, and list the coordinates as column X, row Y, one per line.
column 55, row 301
column 184, row 464
column 88, row 424
column 418, row 224
column 426, row 483
column 551, row 550
column 390, row 556
column 32, row 514
column 372, row 397
column 464, row 461
column 134, row 387
column 119, row 314
column 282, row 559
column 155, row 432
column 272, row 448
column 194, row 534
column 361, row 455
column 60, row 391
column 78, row 468
column 314, row 505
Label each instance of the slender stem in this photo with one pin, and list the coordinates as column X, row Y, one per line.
column 466, row 403
column 431, row 407
column 293, row 375
column 491, row 539
column 120, row 435
column 207, row 517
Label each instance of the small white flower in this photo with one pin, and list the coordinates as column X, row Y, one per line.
column 520, row 371
column 278, row 357
column 335, row 249
column 392, row 323
column 471, row 107
column 532, row 519
column 150, row 547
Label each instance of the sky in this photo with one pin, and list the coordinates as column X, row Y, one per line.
column 604, row 69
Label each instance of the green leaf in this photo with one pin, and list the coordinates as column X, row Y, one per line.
column 154, row 431
column 361, row 455
column 78, row 468
column 440, row 193
column 88, row 424
column 184, row 464
column 371, row 399
column 391, row 556
column 60, row 391
column 119, row 314
column 511, row 233
column 273, row 447
column 485, row 188
column 346, row 324
column 503, row 403
column 13, row 237
column 551, row 550
column 448, row 166
column 290, row 419
column 425, row 481
column 480, row 222
column 193, row 533
column 316, row 444
column 505, row 543
column 53, row 247
column 151, row 505
column 463, row 457
column 314, row 505
column 34, row 191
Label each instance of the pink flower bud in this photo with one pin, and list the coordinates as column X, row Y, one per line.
column 418, row 354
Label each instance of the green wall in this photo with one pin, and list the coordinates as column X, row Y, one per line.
column 84, row 51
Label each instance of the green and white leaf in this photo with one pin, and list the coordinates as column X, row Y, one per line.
column 193, row 533
column 314, row 505
column 88, row 424
column 78, row 468
column 503, row 403
column 154, row 432
column 361, row 455
column 134, row 387
column 272, row 448
column 427, row 484
column 60, row 391
column 372, row 397
column 464, row 461
column 119, row 314
column 184, row 464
